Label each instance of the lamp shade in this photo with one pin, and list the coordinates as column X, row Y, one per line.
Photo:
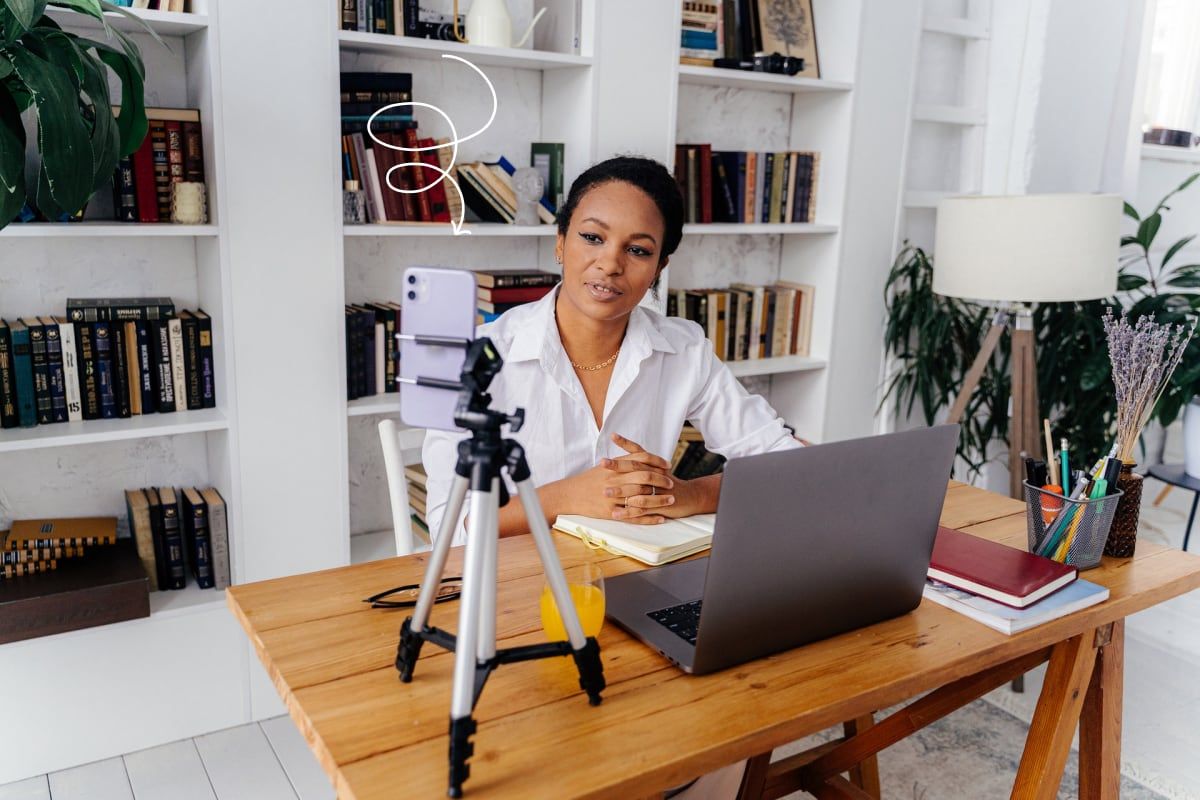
column 1038, row 248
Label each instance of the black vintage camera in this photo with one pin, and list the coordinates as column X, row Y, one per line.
column 776, row 63
column 432, row 25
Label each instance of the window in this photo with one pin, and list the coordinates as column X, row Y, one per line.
column 1173, row 88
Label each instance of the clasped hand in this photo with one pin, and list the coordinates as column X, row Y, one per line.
column 637, row 487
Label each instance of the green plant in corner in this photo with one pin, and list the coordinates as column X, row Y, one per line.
column 1155, row 291
column 61, row 80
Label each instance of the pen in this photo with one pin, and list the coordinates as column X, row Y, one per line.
column 1066, row 472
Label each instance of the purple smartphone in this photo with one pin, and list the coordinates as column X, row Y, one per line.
column 437, row 302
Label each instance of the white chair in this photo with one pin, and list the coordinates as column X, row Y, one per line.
column 399, row 445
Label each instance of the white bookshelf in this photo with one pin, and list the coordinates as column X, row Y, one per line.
column 1159, row 152
column 736, row 110
column 542, row 96
column 184, row 656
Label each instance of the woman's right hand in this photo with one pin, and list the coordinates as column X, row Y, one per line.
column 601, row 492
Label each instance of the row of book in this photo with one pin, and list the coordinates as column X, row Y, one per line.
column 394, row 17
column 370, row 161
column 414, row 475
column 372, row 357
column 106, row 358
column 745, row 321
column 738, row 31
column 692, row 459
column 747, row 186
column 180, row 532
column 498, row 291
column 172, row 152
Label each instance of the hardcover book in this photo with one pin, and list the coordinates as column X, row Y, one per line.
column 23, row 374
column 218, row 530
column 194, row 515
column 70, row 356
column 41, row 370
column 31, row 534
column 173, row 546
column 8, row 382
column 1003, row 574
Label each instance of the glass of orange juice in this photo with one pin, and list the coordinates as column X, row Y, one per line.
column 586, row 583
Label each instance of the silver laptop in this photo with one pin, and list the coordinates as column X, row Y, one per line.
column 809, row 543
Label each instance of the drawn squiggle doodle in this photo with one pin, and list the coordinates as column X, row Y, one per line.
column 452, row 144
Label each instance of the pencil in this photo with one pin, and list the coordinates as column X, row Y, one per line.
column 1050, row 459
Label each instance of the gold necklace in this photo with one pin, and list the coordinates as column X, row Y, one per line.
column 599, row 366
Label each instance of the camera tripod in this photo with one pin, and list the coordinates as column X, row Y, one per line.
column 481, row 461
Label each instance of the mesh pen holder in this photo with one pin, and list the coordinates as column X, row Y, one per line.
column 1084, row 523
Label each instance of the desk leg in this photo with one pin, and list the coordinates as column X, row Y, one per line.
column 1054, row 721
column 1100, row 723
column 864, row 775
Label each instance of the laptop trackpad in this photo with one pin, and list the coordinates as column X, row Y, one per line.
column 648, row 590
column 685, row 581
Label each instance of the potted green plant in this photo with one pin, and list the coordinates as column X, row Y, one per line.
column 56, row 83
column 1164, row 294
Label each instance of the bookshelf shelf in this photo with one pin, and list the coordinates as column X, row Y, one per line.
column 63, row 434
column 180, row 601
column 960, row 27
column 761, row 81
column 105, row 229
column 775, row 366
column 738, row 228
column 444, row 230
column 1160, row 152
column 950, row 115
column 375, row 404
column 515, row 58
column 164, row 23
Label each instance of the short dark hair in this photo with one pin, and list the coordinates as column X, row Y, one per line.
column 646, row 174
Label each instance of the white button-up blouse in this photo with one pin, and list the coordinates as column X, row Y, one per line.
column 666, row 373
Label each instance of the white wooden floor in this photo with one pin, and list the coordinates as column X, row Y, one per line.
column 261, row 761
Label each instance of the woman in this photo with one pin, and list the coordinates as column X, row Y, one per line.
column 607, row 384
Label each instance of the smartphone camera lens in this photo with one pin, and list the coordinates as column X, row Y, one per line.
column 412, row 278
column 412, row 295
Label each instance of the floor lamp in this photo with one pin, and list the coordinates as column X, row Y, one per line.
column 1012, row 252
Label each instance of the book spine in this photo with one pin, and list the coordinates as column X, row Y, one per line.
column 360, row 23
column 173, row 545
column 193, row 152
column 162, row 169
column 178, row 372
column 208, row 370
column 218, row 531
column 8, row 381
column 704, row 166
column 201, row 544
column 133, row 372
column 145, row 194
column 58, row 378
column 191, row 362
column 411, row 17
column 390, row 351
column 417, row 175
column 693, row 188
column 175, row 154
column 89, row 377
column 23, row 367
column 768, row 188
column 41, row 374
column 349, row 15
column 143, row 539
column 161, row 347
column 146, row 373
column 30, row 568
column 439, row 208
column 125, row 191
column 70, row 356
column 102, row 341
column 120, row 370
column 91, row 310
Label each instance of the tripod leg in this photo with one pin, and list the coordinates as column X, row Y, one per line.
column 486, row 649
column 462, row 697
column 409, row 648
column 585, row 649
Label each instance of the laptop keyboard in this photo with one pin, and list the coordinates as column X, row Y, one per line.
column 683, row 619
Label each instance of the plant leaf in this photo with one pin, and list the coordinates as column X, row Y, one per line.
column 1148, row 229
column 89, row 7
column 1130, row 211
column 62, row 134
column 131, row 124
column 25, row 12
column 1127, row 283
column 12, row 158
column 1126, row 240
column 1175, row 248
column 1189, row 281
column 105, row 139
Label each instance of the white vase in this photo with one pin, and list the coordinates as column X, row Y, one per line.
column 1191, row 439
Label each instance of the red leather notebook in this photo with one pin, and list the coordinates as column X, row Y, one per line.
column 995, row 571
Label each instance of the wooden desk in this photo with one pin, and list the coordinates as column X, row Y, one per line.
column 331, row 657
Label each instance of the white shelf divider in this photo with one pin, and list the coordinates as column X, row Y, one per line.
column 1162, row 152
column 739, row 228
column 957, row 26
column 164, row 23
column 169, row 603
column 761, row 81
column 775, row 366
column 103, row 228
column 512, row 57
column 93, row 431
column 950, row 115
column 442, row 229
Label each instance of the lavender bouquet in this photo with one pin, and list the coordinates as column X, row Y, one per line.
column 1143, row 357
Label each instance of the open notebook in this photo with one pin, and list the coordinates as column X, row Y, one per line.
column 650, row 544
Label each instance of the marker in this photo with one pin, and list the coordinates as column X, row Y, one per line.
column 1066, row 472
